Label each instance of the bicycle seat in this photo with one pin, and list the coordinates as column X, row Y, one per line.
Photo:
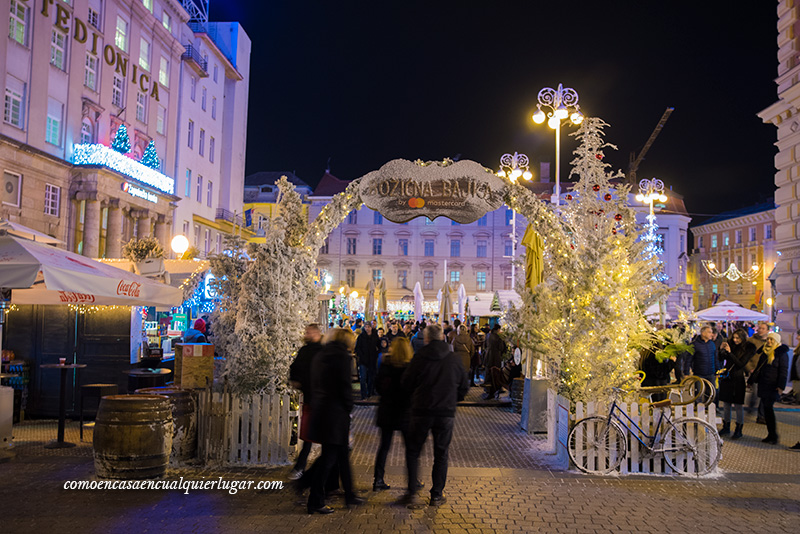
column 666, row 403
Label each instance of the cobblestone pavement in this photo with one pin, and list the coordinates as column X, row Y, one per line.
column 499, row 481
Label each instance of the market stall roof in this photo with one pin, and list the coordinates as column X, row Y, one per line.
column 730, row 311
column 42, row 274
column 179, row 270
column 19, row 230
column 653, row 312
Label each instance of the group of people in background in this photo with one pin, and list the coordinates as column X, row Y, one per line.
column 751, row 357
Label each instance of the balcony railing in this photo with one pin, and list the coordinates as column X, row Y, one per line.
column 192, row 55
column 229, row 216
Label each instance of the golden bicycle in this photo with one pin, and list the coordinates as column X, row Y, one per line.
column 690, row 390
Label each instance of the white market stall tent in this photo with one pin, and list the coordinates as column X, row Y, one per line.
column 730, row 311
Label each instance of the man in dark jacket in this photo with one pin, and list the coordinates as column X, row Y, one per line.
column 436, row 381
column 495, row 348
column 300, row 378
column 368, row 346
column 704, row 362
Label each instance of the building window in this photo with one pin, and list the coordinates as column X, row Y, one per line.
column 148, row 4
column 352, row 217
column 202, row 145
column 207, row 242
column 739, row 261
column 507, row 281
column 199, row 190
column 121, row 37
column 163, row 72
column 210, row 194
column 377, row 274
column 190, row 134
column 211, row 150
column 18, row 23
column 350, row 277
column 12, row 185
column 483, row 220
column 701, row 291
column 351, row 246
column 738, row 237
column 427, row 280
column 482, row 248
column 90, row 72
column 58, row 49
column 481, row 280
column 403, row 243
column 508, row 249
column 186, row 229
column 714, row 241
column 377, row 218
column 216, row 71
column 429, row 247
column 214, row 107
column 377, row 246
column 52, row 199
column 455, row 276
column 203, row 98
column 144, row 54
column 715, row 289
column 700, row 242
column 192, row 88
column 188, row 189
column 402, row 278
column 86, row 131
column 141, row 107
column 55, row 110
column 197, row 235
column 767, row 231
column 752, row 233
column 726, row 240
column 166, row 21
column 13, row 109
column 509, row 216
column 455, row 248
column 161, row 119
column 325, row 246
column 94, row 18
column 117, row 94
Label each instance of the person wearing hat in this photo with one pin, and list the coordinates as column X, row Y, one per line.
column 770, row 374
column 196, row 334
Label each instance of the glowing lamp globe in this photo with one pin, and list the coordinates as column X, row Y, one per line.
column 562, row 112
column 755, row 268
column 354, row 295
column 662, row 198
column 516, row 173
column 179, row 244
column 553, row 122
column 712, row 265
column 501, row 173
column 769, row 301
column 640, row 197
column 538, row 117
column 527, row 175
column 576, row 117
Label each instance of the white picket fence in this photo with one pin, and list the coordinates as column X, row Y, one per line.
column 637, row 459
column 254, row 430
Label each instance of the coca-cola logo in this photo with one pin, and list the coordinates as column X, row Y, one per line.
column 71, row 297
column 129, row 289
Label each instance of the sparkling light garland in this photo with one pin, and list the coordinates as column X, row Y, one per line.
column 96, row 154
column 732, row 273
column 85, row 309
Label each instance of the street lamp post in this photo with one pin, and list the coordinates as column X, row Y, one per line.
column 513, row 166
column 561, row 102
column 649, row 192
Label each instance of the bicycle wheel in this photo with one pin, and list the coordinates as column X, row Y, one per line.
column 596, row 447
column 691, row 446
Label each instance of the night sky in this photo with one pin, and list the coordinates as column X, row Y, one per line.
column 367, row 82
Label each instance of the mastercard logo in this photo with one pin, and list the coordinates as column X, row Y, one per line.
column 416, row 202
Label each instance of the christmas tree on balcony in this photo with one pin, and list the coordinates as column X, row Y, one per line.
column 121, row 142
column 150, row 157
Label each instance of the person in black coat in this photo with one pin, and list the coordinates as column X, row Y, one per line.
column 368, row 346
column 734, row 355
column 770, row 374
column 656, row 373
column 300, row 378
column 394, row 404
column 330, row 417
column 436, row 380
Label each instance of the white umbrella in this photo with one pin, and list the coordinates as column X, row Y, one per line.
column 730, row 312
column 462, row 300
column 28, row 233
column 418, row 298
column 653, row 312
column 41, row 274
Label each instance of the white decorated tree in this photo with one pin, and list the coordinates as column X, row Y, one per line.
column 228, row 267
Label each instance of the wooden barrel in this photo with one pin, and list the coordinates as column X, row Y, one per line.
column 517, row 389
column 184, row 420
column 132, row 436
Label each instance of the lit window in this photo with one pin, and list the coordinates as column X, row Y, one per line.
column 163, row 72
column 481, row 280
column 166, row 21
column 141, row 107
column 144, row 54
column 210, row 194
column 161, row 119
column 18, row 23
column 58, row 47
column 213, row 107
column 726, row 240
column 190, row 133
column 201, row 147
column 714, row 241
column 55, row 111
column 199, row 188
column 117, row 92
column 148, row 4
column 455, row 248
column 52, row 199
column 13, row 109
column 377, row 218
column 121, row 36
column 455, row 276
column 188, row 189
column 482, row 249
column 90, row 72
column 211, row 150
column 427, row 280
column 86, row 131
column 377, row 246
column 377, row 274
column 429, row 247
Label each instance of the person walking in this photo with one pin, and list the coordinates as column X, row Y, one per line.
column 330, row 418
column 495, row 348
column 393, row 407
column 475, row 363
column 770, row 374
column 435, row 380
column 300, row 378
column 703, row 362
column 368, row 346
column 734, row 355
column 463, row 347
column 757, row 339
column 418, row 341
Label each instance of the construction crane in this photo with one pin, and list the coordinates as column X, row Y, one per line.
column 636, row 160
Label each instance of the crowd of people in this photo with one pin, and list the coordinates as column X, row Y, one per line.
column 419, row 370
column 752, row 358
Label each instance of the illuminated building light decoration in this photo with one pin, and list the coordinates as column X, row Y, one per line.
column 85, row 309
column 198, row 300
column 150, row 157
column 139, row 192
column 95, row 154
column 121, row 142
column 732, row 273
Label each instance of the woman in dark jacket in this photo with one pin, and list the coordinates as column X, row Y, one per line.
column 393, row 407
column 770, row 374
column 330, row 417
column 734, row 355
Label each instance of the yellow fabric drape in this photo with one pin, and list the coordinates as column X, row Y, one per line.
column 534, row 257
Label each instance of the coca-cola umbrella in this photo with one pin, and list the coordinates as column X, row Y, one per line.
column 42, row 274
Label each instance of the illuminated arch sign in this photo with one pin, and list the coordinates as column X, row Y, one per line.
column 462, row 191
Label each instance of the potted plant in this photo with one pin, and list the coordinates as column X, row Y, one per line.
column 147, row 256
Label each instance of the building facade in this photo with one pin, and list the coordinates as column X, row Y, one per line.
column 784, row 115
column 745, row 238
